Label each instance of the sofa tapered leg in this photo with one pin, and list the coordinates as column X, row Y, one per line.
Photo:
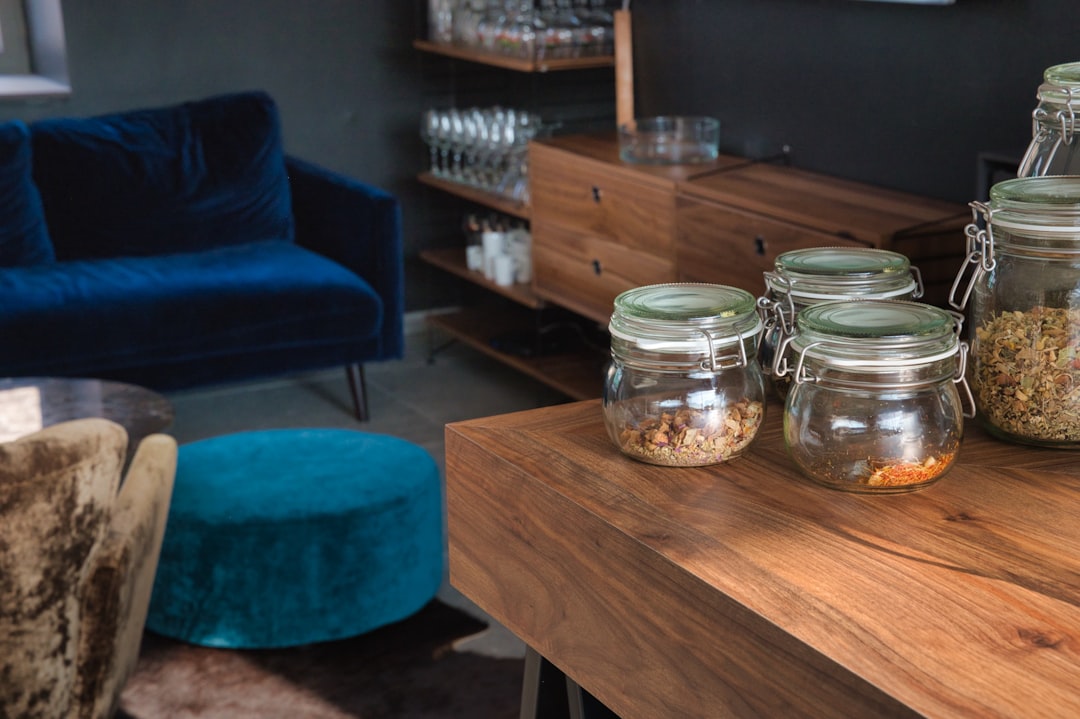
column 358, row 389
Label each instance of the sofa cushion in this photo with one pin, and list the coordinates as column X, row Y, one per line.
column 24, row 239
column 170, row 179
column 101, row 316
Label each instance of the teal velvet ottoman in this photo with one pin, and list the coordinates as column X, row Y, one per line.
column 285, row 537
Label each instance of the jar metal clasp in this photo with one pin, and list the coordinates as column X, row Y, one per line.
column 1041, row 124
column 783, row 309
column 801, row 375
column 715, row 363
column 960, row 380
column 980, row 253
column 781, row 367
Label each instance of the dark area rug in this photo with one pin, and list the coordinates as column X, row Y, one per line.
column 408, row 670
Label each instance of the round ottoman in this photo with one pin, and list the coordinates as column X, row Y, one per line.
column 285, row 537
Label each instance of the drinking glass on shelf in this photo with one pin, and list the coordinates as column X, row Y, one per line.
column 429, row 129
column 457, row 142
column 482, row 147
column 466, row 21
column 600, row 23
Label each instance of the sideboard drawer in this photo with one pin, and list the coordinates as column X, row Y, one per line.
column 584, row 272
column 606, row 201
column 726, row 246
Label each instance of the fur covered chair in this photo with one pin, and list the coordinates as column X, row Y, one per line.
column 78, row 553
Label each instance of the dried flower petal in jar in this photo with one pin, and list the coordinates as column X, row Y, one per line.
column 684, row 387
column 874, row 405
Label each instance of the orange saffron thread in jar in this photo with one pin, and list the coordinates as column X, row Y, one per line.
column 904, row 473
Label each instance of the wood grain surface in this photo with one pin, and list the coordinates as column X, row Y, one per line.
column 745, row 590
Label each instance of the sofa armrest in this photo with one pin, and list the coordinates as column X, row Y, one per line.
column 358, row 226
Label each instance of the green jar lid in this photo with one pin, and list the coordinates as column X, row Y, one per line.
column 821, row 273
column 842, row 261
column 875, row 333
column 1060, row 191
column 1065, row 74
column 683, row 302
column 874, row 319
column 688, row 319
column 1045, row 207
column 1061, row 83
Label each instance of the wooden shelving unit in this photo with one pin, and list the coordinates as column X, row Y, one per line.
column 513, row 63
column 578, row 375
column 473, row 194
column 452, row 260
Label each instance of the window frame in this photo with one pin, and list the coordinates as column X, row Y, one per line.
column 48, row 55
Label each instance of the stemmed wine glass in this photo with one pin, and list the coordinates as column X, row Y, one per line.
column 429, row 130
column 486, row 148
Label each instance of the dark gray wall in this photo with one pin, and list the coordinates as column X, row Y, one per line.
column 896, row 95
column 902, row 96
column 343, row 72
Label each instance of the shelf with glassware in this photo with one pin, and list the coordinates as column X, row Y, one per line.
column 480, row 155
column 543, row 341
column 510, row 62
column 497, row 257
column 507, row 205
column 523, row 35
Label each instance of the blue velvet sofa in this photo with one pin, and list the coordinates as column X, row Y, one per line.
column 180, row 246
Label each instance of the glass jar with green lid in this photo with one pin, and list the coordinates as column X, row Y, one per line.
column 874, row 404
column 684, row 387
column 1022, row 302
column 805, row 277
column 1054, row 148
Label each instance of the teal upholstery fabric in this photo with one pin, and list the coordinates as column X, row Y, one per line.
column 288, row 537
column 24, row 238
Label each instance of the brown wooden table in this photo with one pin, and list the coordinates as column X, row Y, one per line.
column 745, row 590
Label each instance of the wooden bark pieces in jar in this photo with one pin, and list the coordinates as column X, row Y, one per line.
column 684, row 387
column 808, row 276
column 1022, row 302
column 874, row 404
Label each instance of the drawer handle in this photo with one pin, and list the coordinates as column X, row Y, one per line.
column 595, row 194
column 759, row 246
column 596, row 267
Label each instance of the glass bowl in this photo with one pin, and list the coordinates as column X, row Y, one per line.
column 670, row 140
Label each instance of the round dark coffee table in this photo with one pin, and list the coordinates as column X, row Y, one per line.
column 28, row 404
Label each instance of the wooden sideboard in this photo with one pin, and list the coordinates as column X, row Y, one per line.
column 744, row 590
column 601, row 226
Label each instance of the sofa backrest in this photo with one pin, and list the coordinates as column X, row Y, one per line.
column 153, row 181
column 24, row 239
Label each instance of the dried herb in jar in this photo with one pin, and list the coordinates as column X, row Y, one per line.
column 1027, row 377
column 690, row 437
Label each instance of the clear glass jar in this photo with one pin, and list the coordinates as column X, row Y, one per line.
column 874, row 405
column 805, row 277
column 1022, row 303
column 441, row 21
column 684, row 387
column 1054, row 149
